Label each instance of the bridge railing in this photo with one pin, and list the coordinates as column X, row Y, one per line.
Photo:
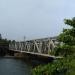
column 36, row 46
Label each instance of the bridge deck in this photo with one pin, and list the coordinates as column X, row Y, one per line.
column 39, row 54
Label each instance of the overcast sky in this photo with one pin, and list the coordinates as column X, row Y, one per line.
column 34, row 18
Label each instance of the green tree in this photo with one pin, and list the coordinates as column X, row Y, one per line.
column 68, row 39
column 65, row 66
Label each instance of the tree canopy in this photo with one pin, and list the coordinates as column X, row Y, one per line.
column 68, row 39
column 65, row 66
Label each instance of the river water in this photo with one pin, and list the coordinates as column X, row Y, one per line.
column 14, row 67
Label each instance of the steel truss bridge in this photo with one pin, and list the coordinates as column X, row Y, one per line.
column 37, row 46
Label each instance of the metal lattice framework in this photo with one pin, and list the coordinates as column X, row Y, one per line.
column 42, row 46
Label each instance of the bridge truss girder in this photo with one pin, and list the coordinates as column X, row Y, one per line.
column 36, row 46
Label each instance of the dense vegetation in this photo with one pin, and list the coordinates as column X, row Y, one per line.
column 66, row 65
column 4, row 43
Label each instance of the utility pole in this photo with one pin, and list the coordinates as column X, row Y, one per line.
column 24, row 38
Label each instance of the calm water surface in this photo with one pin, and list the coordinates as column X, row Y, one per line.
column 14, row 67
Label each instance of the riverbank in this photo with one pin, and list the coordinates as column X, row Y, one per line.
column 7, row 56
